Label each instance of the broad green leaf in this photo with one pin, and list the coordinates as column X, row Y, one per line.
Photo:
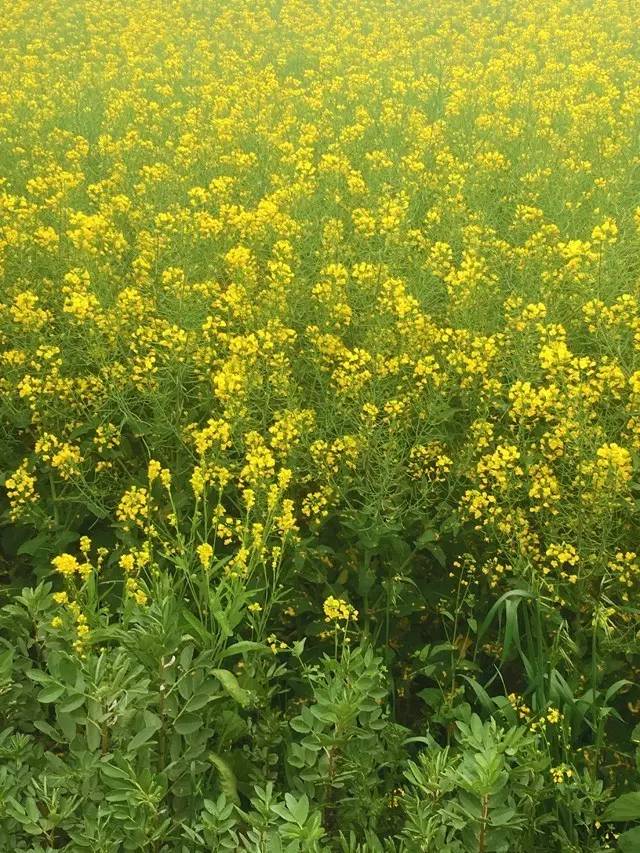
column 94, row 735
column 39, row 676
column 141, row 738
column 298, row 808
column 51, row 693
column 243, row 646
column 200, row 699
column 47, row 729
column 113, row 772
column 73, row 704
column 186, row 656
column 187, row 725
column 629, row 842
column 67, row 723
column 283, row 812
column 299, row 725
column 231, row 686
column 626, row 807
column 32, row 546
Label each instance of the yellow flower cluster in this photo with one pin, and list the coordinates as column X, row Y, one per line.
column 338, row 610
column 205, row 554
column 21, row 490
column 68, row 565
column 561, row 773
column 328, row 282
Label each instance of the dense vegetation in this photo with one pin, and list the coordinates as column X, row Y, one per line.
column 319, row 425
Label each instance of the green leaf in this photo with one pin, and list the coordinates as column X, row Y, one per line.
column 6, row 663
column 219, row 614
column 503, row 817
column 428, row 535
column 626, row 807
column 142, row 737
column 283, row 812
column 366, row 579
column 47, row 729
column 51, row 693
column 186, row 656
column 615, row 688
column 511, row 594
column 298, row 808
column 199, row 630
column 200, row 699
column 187, row 725
column 94, row 735
column 431, row 696
column 483, row 697
column 511, row 629
column 324, row 714
column 118, row 796
column 629, row 842
column 73, row 704
column 32, row 546
column 113, row 772
column 298, row 647
column 38, row 676
column 228, row 782
column 231, row 686
column 243, row 646
column 438, row 554
column 67, row 723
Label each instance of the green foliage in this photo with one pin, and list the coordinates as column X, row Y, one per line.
column 319, row 426
column 144, row 742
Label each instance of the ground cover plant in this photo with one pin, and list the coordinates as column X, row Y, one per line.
column 319, row 426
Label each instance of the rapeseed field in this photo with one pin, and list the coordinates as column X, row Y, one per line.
column 320, row 426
